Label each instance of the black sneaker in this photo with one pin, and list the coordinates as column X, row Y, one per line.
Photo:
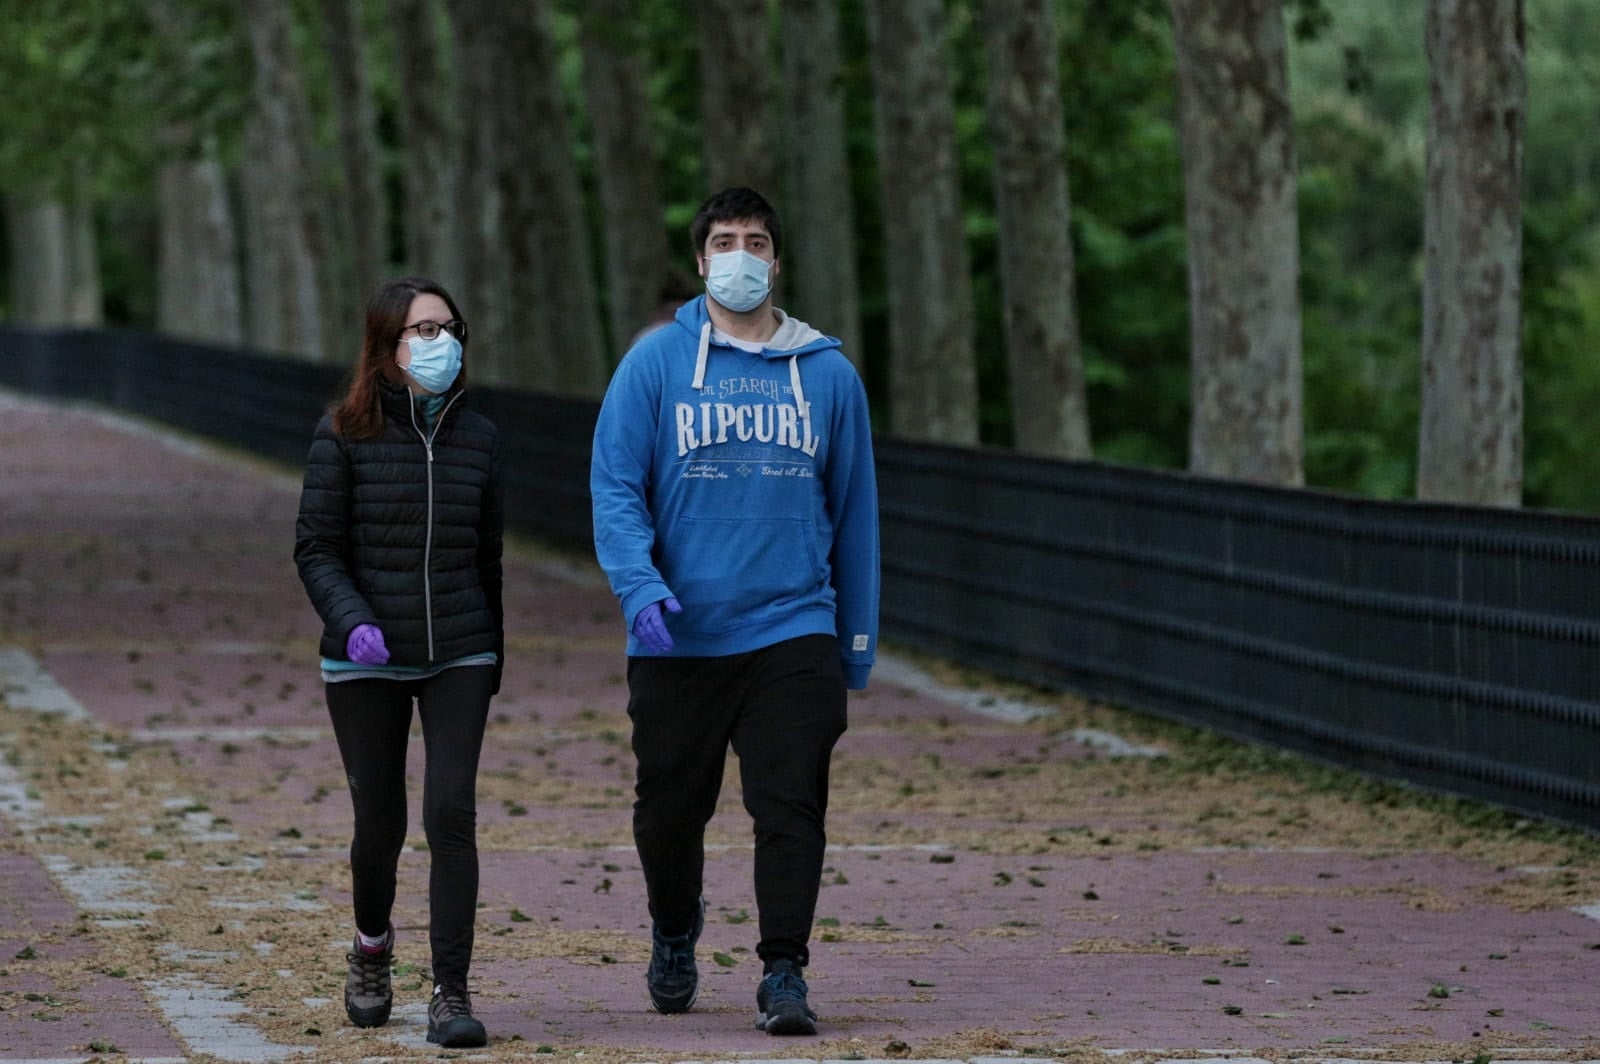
column 450, row 1019
column 781, row 1001
column 673, row 979
column 367, row 993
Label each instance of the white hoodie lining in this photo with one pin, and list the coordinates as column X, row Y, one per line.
column 702, row 355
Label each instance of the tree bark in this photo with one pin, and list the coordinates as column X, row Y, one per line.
column 554, row 316
column 1470, row 444
column 637, row 254
column 819, row 257
column 482, row 284
column 735, row 58
column 933, row 373
column 361, row 195
column 1049, row 412
column 40, row 276
column 429, row 141
column 1239, row 174
column 197, row 255
column 285, row 246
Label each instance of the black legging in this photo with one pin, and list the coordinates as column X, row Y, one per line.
column 372, row 722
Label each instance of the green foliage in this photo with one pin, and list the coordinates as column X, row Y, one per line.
column 1119, row 89
column 109, row 84
column 1360, row 252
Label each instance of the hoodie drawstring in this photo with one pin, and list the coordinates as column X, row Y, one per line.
column 794, row 381
column 700, row 356
column 800, row 403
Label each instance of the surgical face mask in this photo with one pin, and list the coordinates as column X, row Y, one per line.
column 738, row 280
column 435, row 363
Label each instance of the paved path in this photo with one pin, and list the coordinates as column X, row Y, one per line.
column 173, row 825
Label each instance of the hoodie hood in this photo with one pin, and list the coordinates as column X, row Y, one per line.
column 793, row 339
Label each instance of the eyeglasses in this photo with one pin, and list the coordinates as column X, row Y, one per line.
column 429, row 330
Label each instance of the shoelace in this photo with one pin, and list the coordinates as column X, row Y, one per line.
column 785, row 986
column 676, row 952
column 452, row 1002
column 371, row 968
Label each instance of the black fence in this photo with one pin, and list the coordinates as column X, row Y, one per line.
column 1452, row 647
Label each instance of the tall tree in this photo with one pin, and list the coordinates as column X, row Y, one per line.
column 1049, row 412
column 1470, row 445
column 428, row 137
column 735, row 62
column 1239, row 189
column 819, row 240
column 554, row 313
column 285, row 244
column 58, row 283
column 199, row 291
column 637, row 256
column 933, row 371
column 482, row 278
column 361, row 194
column 197, row 254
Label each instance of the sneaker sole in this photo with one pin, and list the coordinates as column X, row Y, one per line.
column 373, row 1017
column 469, row 1038
column 670, row 1009
column 786, row 1023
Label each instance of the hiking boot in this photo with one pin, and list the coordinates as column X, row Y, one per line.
column 367, row 993
column 673, row 979
column 781, row 1001
column 450, row 1019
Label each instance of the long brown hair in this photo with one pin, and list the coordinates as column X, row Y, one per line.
column 358, row 414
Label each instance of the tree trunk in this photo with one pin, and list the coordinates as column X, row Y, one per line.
column 55, row 264
column 554, row 311
column 933, row 385
column 285, row 232
column 735, row 58
column 482, row 284
column 361, row 196
column 1049, row 413
column 637, row 254
column 85, row 302
column 41, row 258
column 429, row 141
column 1470, row 444
column 1239, row 191
column 197, row 258
column 819, row 258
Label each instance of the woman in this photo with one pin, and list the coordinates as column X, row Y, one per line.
column 398, row 543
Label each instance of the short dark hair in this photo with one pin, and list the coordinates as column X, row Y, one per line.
column 735, row 205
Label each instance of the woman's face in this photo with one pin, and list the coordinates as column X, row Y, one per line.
column 425, row 307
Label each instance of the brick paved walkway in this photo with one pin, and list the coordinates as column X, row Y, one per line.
column 172, row 828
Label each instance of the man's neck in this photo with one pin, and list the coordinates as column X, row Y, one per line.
column 759, row 324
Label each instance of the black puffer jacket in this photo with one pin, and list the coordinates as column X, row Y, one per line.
column 404, row 531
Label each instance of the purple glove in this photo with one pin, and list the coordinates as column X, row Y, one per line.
column 365, row 645
column 650, row 627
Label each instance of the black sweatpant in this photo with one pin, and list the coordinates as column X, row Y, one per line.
column 372, row 722
column 782, row 708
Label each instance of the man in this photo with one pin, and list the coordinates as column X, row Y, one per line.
column 736, row 517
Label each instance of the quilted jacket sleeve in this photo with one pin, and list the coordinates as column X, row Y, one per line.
column 322, row 539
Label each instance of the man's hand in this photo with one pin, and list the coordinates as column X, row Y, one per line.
column 650, row 626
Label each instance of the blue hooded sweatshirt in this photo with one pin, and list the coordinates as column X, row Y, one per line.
column 742, row 484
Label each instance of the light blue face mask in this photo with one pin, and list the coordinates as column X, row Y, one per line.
column 738, row 280
column 435, row 363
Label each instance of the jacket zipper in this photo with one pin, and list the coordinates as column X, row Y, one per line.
column 427, row 546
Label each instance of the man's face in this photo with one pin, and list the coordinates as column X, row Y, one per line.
column 741, row 234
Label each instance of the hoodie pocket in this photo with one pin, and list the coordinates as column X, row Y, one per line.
column 729, row 570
